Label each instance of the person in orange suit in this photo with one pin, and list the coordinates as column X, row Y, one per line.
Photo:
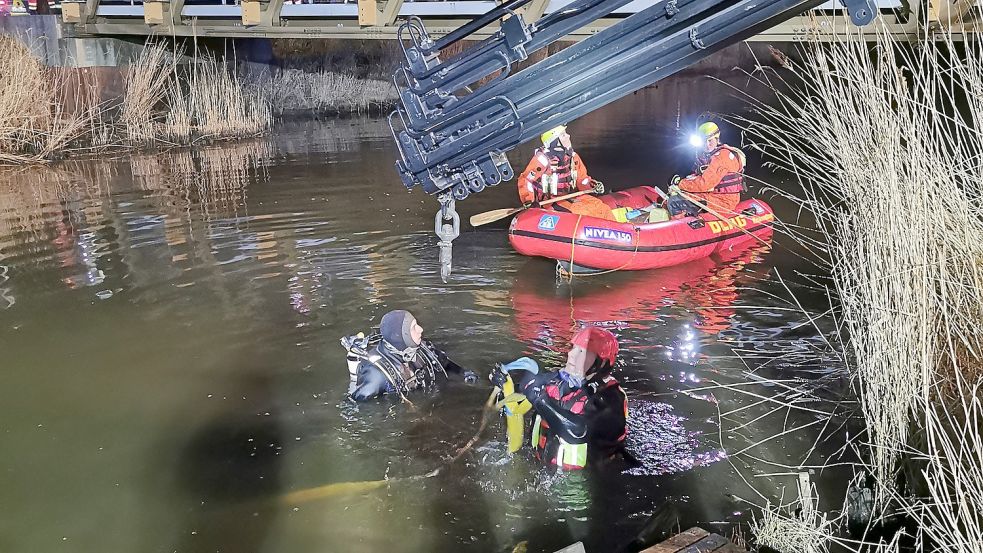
column 555, row 170
column 717, row 180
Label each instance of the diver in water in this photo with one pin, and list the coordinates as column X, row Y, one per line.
column 396, row 360
column 581, row 410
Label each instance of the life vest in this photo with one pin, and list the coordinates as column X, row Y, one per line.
column 731, row 183
column 567, row 456
column 423, row 369
column 550, row 446
column 561, row 177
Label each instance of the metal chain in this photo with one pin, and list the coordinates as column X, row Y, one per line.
column 447, row 226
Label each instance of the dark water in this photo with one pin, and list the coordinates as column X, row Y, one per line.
column 169, row 328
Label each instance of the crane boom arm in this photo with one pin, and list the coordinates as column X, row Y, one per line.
column 452, row 136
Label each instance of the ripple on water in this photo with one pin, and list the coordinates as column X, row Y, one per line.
column 659, row 438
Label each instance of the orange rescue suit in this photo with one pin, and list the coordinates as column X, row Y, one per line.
column 718, row 180
column 568, row 171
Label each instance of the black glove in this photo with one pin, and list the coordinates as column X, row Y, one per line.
column 498, row 377
column 470, row 377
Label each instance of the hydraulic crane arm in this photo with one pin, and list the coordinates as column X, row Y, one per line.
column 452, row 138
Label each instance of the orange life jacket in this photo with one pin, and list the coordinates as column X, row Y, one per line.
column 731, row 183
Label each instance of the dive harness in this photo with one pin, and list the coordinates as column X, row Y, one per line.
column 398, row 366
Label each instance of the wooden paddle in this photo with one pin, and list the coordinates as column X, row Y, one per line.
column 496, row 214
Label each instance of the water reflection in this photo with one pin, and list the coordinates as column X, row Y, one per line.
column 547, row 316
column 156, row 307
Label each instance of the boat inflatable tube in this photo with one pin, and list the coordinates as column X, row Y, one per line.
column 609, row 245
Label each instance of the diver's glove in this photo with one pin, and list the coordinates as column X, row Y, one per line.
column 674, row 190
column 598, row 187
column 470, row 377
column 498, row 376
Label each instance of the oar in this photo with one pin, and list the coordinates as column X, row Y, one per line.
column 496, row 214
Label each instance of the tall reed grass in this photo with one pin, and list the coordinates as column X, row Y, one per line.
column 166, row 101
column 293, row 90
column 35, row 124
column 884, row 140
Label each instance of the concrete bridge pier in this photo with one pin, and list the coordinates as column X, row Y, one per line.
column 55, row 44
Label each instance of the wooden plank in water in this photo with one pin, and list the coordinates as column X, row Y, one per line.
column 695, row 540
column 713, row 542
column 679, row 541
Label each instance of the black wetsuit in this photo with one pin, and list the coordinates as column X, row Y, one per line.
column 389, row 374
column 594, row 413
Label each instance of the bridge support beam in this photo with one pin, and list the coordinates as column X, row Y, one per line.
column 368, row 13
column 390, row 13
column 162, row 12
column 534, row 10
column 79, row 11
column 265, row 13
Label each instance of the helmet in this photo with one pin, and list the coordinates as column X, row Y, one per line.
column 552, row 134
column 599, row 341
column 708, row 130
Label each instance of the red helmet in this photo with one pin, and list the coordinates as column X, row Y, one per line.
column 599, row 341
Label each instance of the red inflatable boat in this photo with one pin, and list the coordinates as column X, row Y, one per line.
column 604, row 245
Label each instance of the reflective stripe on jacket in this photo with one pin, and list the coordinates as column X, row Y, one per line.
column 593, row 415
column 547, row 176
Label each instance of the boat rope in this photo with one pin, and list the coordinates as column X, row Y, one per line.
column 573, row 245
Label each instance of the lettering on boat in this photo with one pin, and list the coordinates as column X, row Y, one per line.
column 739, row 221
column 727, row 224
column 548, row 222
column 609, row 235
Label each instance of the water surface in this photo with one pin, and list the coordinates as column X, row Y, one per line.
column 169, row 326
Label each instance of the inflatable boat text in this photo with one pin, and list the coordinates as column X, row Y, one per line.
column 610, row 235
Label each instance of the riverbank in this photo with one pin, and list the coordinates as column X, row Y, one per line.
column 164, row 98
column 885, row 144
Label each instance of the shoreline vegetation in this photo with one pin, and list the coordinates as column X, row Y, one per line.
column 883, row 139
column 167, row 100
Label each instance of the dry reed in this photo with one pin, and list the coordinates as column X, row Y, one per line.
column 34, row 124
column 290, row 90
column 168, row 102
column 164, row 102
column 890, row 168
column 792, row 533
column 146, row 83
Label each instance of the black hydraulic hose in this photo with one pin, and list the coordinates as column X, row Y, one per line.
column 475, row 24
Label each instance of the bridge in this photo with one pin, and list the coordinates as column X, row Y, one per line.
column 380, row 19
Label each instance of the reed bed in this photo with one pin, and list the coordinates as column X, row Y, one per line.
column 790, row 533
column 293, row 90
column 884, row 142
column 34, row 124
column 166, row 102
column 169, row 102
